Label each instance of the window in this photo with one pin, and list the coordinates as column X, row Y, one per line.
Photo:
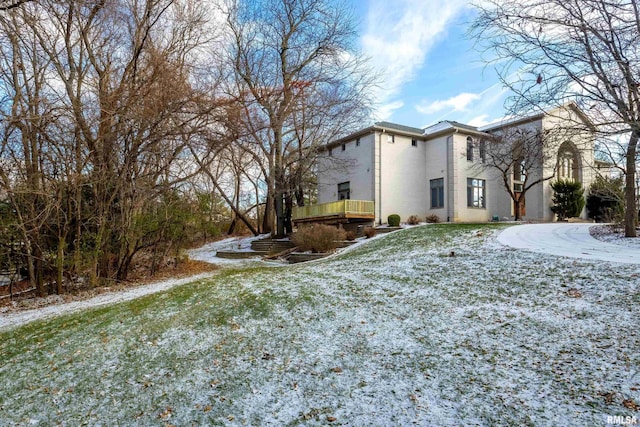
column 344, row 190
column 344, row 147
column 476, row 193
column 568, row 162
column 470, row 149
column 357, row 142
column 330, row 152
column 391, row 139
column 519, row 170
column 483, row 151
column 437, row 193
column 414, row 142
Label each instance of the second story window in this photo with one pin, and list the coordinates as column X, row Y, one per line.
column 470, row 149
column 344, row 190
column 344, row 147
column 414, row 142
column 357, row 142
column 391, row 139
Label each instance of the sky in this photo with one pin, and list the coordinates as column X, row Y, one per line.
column 430, row 69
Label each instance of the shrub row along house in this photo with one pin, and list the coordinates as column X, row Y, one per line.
column 458, row 172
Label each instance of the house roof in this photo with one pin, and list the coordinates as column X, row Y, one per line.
column 378, row 126
column 449, row 126
column 401, row 128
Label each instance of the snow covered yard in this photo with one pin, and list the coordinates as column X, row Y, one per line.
column 434, row 325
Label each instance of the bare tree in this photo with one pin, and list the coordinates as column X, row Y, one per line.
column 101, row 101
column 520, row 157
column 27, row 115
column 299, row 79
column 551, row 52
column 10, row 4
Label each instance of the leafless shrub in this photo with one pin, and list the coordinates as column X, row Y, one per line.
column 318, row 238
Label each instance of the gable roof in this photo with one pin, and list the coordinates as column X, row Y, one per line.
column 401, row 128
column 449, row 126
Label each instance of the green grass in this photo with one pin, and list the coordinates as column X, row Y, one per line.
column 393, row 332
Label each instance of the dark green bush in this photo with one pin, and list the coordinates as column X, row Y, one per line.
column 568, row 198
column 605, row 202
column 393, row 220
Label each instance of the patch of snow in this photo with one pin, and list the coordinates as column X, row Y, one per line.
column 610, row 234
column 568, row 239
column 395, row 332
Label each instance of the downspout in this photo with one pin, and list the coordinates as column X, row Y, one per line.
column 380, row 177
column 449, row 183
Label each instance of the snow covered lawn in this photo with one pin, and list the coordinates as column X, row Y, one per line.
column 394, row 332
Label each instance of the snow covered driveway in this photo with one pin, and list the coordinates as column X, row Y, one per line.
column 570, row 240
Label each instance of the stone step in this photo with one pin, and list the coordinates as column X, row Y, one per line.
column 239, row 255
column 271, row 246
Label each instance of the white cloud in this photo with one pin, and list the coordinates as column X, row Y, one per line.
column 384, row 111
column 476, row 109
column 481, row 120
column 457, row 103
column 399, row 34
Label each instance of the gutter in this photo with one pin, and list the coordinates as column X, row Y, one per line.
column 450, row 168
column 380, row 177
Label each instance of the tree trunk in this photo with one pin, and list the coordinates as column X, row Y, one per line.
column 631, row 211
column 60, row 264
column 279, row 202
column 267, row 219
column 288, row 211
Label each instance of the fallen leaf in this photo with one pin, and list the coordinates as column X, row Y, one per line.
column 166, row 414
column 630, row 404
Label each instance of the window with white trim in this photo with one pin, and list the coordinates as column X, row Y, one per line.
column 476, row 193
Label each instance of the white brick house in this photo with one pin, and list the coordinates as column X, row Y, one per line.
column 439, row 169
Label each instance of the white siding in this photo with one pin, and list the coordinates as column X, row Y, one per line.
column 353, row 165
column 397, row 175
column 436, row 160
column 401, row 178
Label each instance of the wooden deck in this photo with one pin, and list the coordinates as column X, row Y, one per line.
column 341, row 211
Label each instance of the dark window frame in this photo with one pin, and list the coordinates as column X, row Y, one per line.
column 470, row 149
column 344, row 190
column 436, row 190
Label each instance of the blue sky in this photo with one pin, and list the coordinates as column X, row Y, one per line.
column 430, row 69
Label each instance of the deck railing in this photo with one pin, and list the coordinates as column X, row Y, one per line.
column 342, row 208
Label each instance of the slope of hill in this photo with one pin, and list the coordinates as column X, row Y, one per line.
column 435, row 325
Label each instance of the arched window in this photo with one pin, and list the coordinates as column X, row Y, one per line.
column 470, row 149
column 568, row 162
